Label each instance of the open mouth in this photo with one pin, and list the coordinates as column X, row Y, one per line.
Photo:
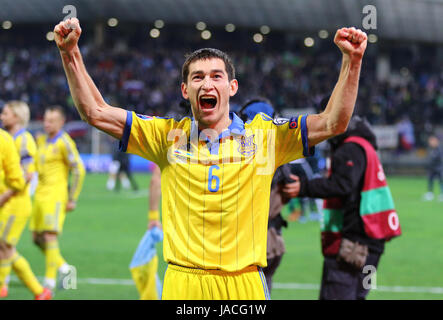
column 208, row 102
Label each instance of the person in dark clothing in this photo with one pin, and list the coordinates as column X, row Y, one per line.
column 356, row 224
column 124, row 170
column 275, row 246
column 120, row 172
column 435, row 168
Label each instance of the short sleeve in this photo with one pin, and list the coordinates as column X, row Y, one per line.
column 13, row 173
column 146, row 136
column 292, row 140
column 76, row 165
column 28, row 149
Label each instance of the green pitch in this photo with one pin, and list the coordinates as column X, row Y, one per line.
column 101, row 236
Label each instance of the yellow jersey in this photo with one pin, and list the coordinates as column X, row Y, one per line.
column 27, row 149
column 11, row 174
column 56, row 159
column 215, row 194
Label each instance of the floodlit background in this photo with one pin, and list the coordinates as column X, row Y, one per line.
column 283, row 50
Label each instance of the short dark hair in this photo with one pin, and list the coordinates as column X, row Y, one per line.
column 57, row 108
column 208, row 53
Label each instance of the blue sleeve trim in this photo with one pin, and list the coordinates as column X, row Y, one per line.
column 307, row 152
column 123, row 145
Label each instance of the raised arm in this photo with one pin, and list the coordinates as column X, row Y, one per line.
column 87, row 99
column 335, row 118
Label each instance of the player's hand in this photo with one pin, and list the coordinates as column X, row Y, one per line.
column 28, row 177
column 291, row 190
column 66, row 34
column 70, row 206
column 154, row 223
column 351, row 42
column 5, row 196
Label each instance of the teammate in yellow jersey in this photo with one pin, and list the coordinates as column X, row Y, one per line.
column 216, row 169
column 12, row 182
column 57, row 159
column 16, row 212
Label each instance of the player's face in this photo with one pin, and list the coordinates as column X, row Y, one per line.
column 208, row 89
column 9, row 118
column 53, row 122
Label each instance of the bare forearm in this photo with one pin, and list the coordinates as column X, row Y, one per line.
column 154, row 194
column 87, row 99
column 341, row 105
column 335, row 118
column 84, row 99
column 5, row 196
column 92, row 87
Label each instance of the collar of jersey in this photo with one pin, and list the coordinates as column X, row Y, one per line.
column 19, row 132
column 53, row 140
column 236, row 128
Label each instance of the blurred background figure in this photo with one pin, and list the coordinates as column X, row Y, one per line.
column 61, row 174
column 303, row 208
column 358, row 215
column 406, row 137
column 17, row 211
column 435, row 168
column 120, row 173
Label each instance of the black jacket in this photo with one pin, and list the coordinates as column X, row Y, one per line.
column 348, row 164
column 435, row 159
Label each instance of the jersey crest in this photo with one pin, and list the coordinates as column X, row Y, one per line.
column 247, row 147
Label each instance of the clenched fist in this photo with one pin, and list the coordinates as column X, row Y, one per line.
column 351, row 42
column 66, row 34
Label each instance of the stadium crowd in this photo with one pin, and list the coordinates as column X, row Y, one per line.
column 293, row 77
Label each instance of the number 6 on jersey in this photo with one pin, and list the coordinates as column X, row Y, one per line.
column 212, row 178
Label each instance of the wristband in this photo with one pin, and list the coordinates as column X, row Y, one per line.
column 153, row 215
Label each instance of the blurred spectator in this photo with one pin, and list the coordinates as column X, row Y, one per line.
column 120, row 172
column 435, row 168
column 406, row 134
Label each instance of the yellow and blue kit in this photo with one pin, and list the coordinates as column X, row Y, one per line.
column 11, row 177
column 18, row 209
column 57, row 159
column 144, row 265
column 215, row 197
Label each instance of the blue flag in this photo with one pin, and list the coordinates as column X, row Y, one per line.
column 146, row 248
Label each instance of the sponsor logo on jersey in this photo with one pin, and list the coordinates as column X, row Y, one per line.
column 279, row 121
